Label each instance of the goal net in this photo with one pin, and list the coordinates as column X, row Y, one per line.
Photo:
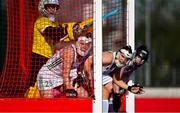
column 26, row 50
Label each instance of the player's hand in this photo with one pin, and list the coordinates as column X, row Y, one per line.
column 77, row 82
column 77, row 30
column 136, row 89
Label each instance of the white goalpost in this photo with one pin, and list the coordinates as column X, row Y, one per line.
column 97, row 103
column 130, row 99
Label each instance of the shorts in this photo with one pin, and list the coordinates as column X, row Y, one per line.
column 47, row 80
column 106, row 79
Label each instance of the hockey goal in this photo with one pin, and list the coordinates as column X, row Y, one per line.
column 113, row 27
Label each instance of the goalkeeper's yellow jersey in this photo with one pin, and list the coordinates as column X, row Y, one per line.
column 44, row 46
column 70, row 28
column 41, row 45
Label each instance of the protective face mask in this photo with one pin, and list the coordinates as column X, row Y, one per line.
column 79, row 51
column 117, row 62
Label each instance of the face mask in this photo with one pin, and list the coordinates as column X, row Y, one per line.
column 86, row 40
column 117, row 62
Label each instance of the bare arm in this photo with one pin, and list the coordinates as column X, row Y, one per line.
column 118, row 81
column 107, row 58
column 136, row 89
column 88, row 69
column 88, row 66
column 67, row 56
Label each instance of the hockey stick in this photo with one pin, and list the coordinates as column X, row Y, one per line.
column 111, row 13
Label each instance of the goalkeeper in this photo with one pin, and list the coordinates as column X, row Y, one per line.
column 140, row 57
column 47, row 30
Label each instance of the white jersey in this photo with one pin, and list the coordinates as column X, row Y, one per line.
column 106, row 70
column 55, row 63
column 50, row 75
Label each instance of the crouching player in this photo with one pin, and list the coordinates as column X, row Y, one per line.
column 120, row 81
column 111, row 63
column 60, row 70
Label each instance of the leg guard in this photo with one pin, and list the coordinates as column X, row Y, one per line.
column 116, row 102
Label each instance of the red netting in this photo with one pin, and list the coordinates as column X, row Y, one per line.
column 114, row 27
column 19, row 68
column 17, row 74
column 16, row 69
column 21, row 65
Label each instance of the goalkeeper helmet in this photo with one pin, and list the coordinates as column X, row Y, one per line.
column 43, row 11
column 142, row 52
